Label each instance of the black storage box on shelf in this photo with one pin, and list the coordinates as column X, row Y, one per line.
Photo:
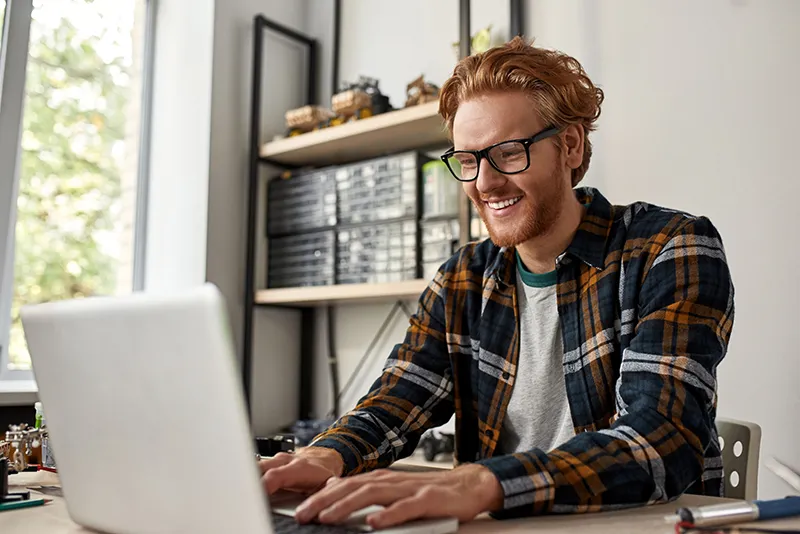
column 347, row 224
column 302, row 260
column 302, row 202
column 439, row 241
column 377, row 253
column 380, row 189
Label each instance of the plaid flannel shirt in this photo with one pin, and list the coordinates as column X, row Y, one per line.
column 645, row 303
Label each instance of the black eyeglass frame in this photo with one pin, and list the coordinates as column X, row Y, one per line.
column 484, row 153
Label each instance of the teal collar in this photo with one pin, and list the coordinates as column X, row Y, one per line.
column 535, row 280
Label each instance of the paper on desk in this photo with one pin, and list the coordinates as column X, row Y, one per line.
column 53, row 491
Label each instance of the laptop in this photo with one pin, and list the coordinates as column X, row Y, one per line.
column 147, row 419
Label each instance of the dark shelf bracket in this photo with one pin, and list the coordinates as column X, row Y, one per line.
column 516, row 23
column 261, row 24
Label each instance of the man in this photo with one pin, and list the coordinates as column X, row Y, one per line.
column 577, row 347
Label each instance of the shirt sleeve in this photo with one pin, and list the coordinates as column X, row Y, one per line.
column 666, row 395
column 413, row 393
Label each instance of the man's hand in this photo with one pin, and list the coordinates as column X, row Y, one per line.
column 463, row 493
column 304, row 472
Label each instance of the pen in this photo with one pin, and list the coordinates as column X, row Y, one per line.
column 15, row 505
column 738, row 512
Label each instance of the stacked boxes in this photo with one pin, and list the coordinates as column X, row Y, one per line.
column 439, row 230
column 377, row 253
column 378, row 211
column 301, row 203
column 439, row 243
column 378, row 190
column 369, row 211
column 302, row 260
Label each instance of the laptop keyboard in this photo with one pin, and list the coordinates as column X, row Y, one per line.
column 287, row 525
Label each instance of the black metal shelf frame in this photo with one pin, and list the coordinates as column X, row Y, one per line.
column 261, row 25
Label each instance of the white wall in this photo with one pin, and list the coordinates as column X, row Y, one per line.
column 179, row 147
column 700, row 115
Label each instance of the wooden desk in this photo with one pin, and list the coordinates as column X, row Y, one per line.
column 53, row 518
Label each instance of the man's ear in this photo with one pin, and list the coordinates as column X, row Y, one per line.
column 573, row 138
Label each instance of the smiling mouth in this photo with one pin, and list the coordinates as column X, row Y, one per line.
column 503, row 203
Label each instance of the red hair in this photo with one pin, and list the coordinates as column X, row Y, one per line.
column 559, row 87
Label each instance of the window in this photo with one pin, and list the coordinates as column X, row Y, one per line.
column 78, row 160
column 2, row 18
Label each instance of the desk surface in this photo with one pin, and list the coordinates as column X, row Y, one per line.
column 53, row 518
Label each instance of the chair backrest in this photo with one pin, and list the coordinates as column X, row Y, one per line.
column 740, row 442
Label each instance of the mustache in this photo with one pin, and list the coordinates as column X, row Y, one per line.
column 504, row 194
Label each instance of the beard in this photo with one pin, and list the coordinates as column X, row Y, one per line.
column 538, row 216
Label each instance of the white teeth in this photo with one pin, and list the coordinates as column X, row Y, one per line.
column 504, row 203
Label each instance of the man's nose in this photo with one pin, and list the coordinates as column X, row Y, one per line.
column 488, row 177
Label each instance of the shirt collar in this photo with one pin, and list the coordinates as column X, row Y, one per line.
column 588, row 245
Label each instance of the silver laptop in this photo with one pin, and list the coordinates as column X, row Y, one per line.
column 147, row 417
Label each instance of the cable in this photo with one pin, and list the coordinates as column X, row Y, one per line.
column 408, row 312
column 333, row 362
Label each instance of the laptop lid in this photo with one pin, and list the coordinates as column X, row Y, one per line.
column 146, row 414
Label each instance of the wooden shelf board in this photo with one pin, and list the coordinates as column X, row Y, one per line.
column 395, row 131
column 342, row 294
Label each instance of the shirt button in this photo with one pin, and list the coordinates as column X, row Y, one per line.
column 489, row 433
column 506, row 375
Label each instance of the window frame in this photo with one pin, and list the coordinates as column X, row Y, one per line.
column 13, row 69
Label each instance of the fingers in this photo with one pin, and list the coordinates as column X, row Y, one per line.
column 427, row 502
column 369, row 494
column 278, row 460
column 340, row 499
column 405, row 496
column 399, row 512
column 292, row 473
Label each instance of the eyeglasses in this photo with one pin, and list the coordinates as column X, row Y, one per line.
column 507, row 157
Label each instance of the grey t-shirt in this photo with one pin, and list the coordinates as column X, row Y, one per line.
column 538, row 413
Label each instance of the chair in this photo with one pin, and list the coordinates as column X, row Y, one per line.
column 740, row 442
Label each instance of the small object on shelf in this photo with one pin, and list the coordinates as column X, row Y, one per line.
column 358, row 100
column 305, row 119
column 24, row 438
column 420, row 92
column 351, row 104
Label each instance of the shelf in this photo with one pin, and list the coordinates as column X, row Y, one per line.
column 342, row 294
column 395, row 131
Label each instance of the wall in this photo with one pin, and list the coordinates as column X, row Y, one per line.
column 179, row 147
column 698, row 116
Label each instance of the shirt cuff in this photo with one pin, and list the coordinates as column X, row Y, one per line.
column 525, row 491
column 346, row 449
